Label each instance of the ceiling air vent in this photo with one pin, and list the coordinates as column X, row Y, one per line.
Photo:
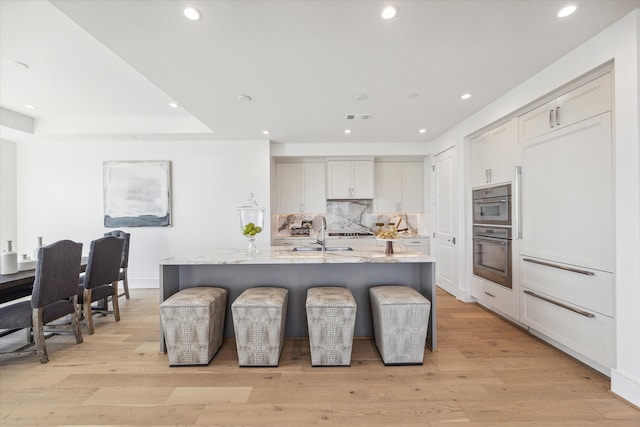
column 358, row 116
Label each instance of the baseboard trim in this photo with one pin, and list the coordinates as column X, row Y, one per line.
column 625, row 387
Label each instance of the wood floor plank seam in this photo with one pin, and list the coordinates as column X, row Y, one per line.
column 486, row 372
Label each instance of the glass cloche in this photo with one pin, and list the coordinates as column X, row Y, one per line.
column 251, row 221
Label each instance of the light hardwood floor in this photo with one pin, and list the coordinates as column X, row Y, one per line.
column 486, row 372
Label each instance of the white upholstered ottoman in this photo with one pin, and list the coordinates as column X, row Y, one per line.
column 331, row 318
column 193, row 324
column 400, row 319
column 259, row 316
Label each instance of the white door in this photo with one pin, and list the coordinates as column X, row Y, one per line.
column 445, row 218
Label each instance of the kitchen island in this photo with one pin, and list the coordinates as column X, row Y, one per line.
column 357, row 270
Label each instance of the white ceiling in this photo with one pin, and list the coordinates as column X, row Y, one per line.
column 108, row 68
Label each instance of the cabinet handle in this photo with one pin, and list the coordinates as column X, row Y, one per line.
column 551, row 118
column 559, row 304
column 560, row 267
column 558, row 116
column 491, row 295
column 517, row 187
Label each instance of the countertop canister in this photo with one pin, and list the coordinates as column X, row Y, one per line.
column 38, row 246
column 8, row 260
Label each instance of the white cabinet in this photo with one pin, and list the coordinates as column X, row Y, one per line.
column 420, row 244
column 350, row 179
column 398, row 187
column 300, row 187
column 586, row 101
column 496, row 297
column 573, row 306
column 491, row 155
column 567, row 195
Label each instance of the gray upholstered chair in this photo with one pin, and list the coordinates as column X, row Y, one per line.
column 55, row 295
column 100, row 280
column 124, row 266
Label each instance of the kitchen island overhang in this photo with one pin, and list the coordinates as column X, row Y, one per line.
column 358, row 270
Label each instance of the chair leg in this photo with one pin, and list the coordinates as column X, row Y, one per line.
column 114, row 301
column 75, row 320
column 88, row 314
column 38, row 332
column 125, row 282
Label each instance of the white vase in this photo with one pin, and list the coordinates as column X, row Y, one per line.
column 8, row 260
column 39, row 245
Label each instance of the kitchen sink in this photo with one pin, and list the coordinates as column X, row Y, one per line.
column 319, row 248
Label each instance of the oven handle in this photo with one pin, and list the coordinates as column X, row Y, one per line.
column 560, row 267
column 559, row 304
column 494, row 240
column 490, row 200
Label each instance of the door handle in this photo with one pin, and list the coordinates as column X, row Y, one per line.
column 453, row 240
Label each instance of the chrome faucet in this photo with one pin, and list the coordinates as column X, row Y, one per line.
column 323, row 230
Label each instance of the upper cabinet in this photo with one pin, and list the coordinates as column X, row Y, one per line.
column 579, row 104
column 350, row 179
column 398, row 186
column 300, row 187
column 491, row 155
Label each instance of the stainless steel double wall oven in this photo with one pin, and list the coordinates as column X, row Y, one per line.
column 492, row 225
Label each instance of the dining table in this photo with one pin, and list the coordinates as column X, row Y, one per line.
column 20, row 284
column 16, row 285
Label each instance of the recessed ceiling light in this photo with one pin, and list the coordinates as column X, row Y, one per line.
column 192, row 13
column 173, row 105
column 347, row 131
column 465, row 96
column 265, row 132
column 413, row 95
column 567, row 10
column 389, row 12
column 361, row 97
column 244, row 98
column 30, row 107
column 422, row 131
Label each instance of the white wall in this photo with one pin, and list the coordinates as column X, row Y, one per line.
column 8, row 222
column 619, row 42
column 60, row 195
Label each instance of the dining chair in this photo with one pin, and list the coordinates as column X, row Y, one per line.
column 124, row 266
column 100, row 280
column 54, row 295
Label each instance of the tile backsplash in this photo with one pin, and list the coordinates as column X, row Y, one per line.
column 346, row 216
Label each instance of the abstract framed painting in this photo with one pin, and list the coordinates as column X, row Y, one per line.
column 137, row 193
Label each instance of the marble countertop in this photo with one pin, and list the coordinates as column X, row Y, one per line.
column 285, row 255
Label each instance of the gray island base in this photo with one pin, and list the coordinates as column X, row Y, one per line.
column 237, row 270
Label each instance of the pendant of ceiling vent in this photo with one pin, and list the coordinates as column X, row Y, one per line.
column 359, row 116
